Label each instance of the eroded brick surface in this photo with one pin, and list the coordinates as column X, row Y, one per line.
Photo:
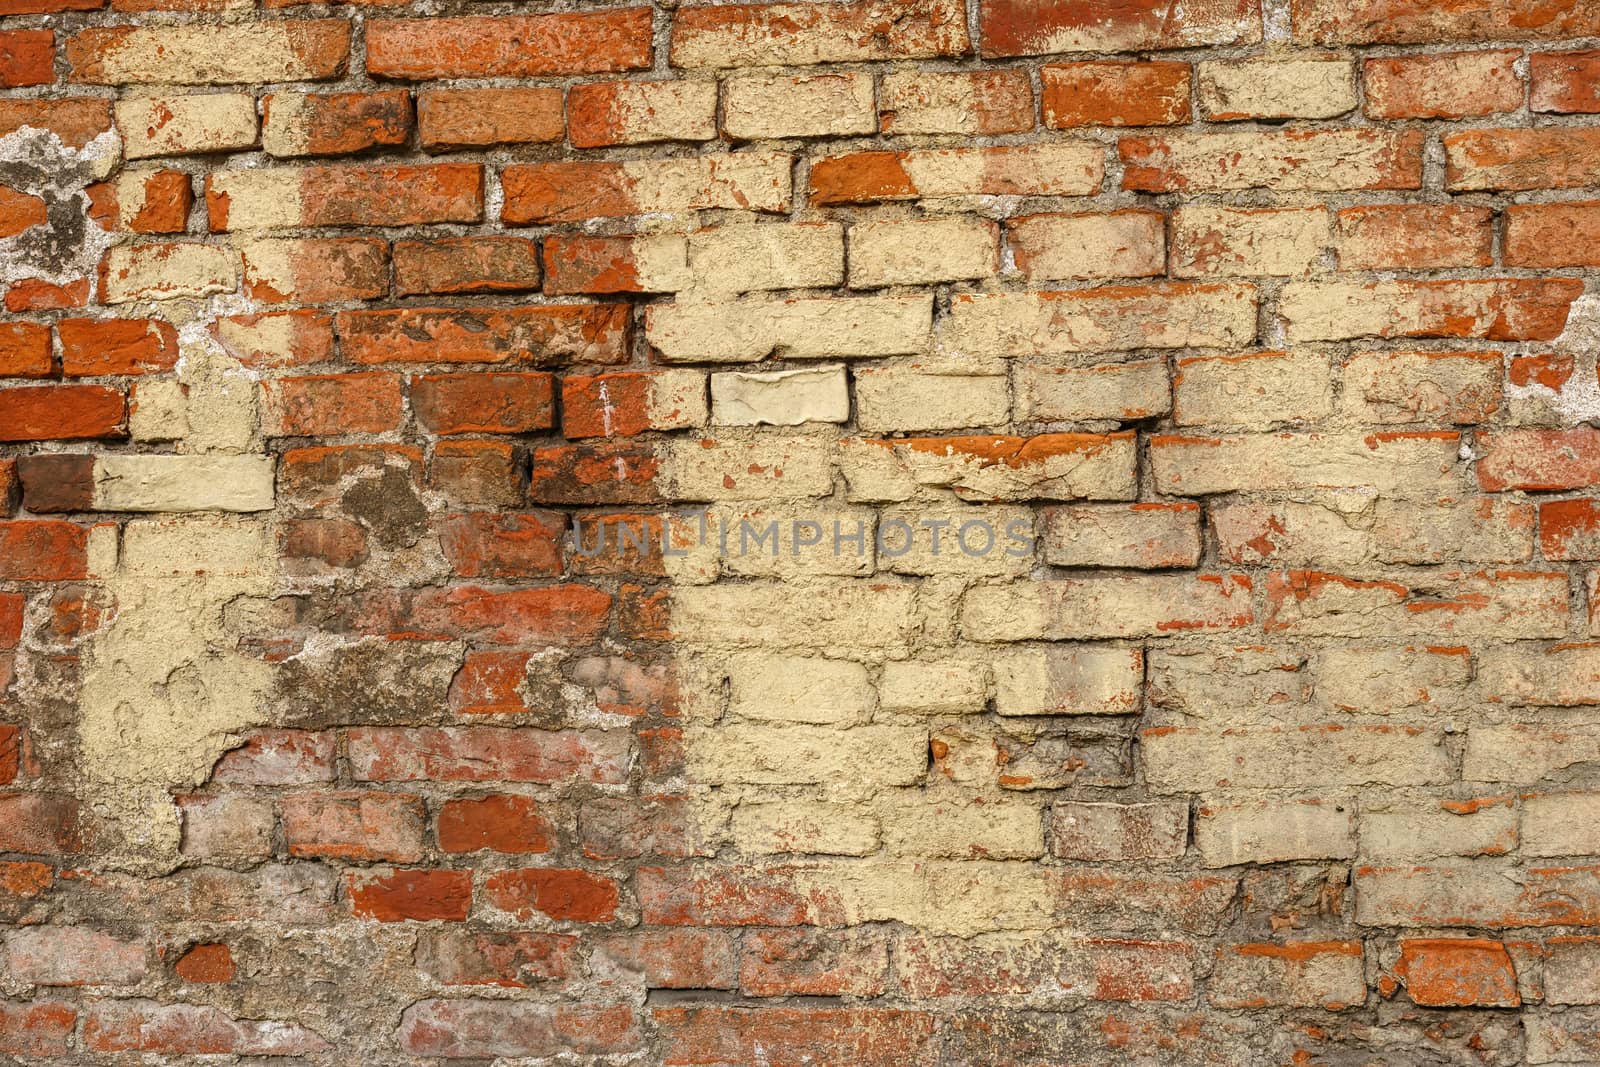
column 852, row 532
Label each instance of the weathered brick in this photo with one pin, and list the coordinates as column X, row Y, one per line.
column 1138, row 389
column 61, row 412
column 1451, row 85
column 1122, row 244
column 167, row 271
column 1565, row 82
column 602, row 114
column 571, row 192
column 316, row 270
column 1539, row 459
column 526, row 46
column 354, row 826
column 1108, row 93
column 1106, row 607
column 1191, row 759
column 1105, row 831
column 801, row 328
column 1232, row 242
column 1352, row 530
column 236, row 53
column 922, row 251
column 1303, row 974
column 796, row 34
column 459, row 1029
column 333, row 124
column 503, row 403
column 1172, row 315
column 1505, row 603
column 1064, row 169
column 465, row 265
column 184, row 125
column 1293, row 160
column 1141, row 536
column 1396, row 22
column 479, row 118
column 1495, row 309
column 907, row 398
column 1552, row 235
column 968, row 102
column 330, row 404
column 807, row 105
column 1414, row 237
column 276, row 198
column 527, row 336
column 1068, row 680
column 1310, row 88
column 1021, row 28
column 1271, row 831
column 1255, row 390
column 1551, row 158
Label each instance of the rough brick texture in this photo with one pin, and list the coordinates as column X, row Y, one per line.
column 869, row 533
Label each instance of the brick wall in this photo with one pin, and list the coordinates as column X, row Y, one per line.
column 1016, row 532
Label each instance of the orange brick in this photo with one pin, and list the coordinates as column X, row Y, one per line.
column 477, row 118
column 1565, row 82
column 522, row 46
column 1451, row 85
column 1116, row 94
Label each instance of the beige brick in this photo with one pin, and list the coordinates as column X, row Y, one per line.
column 1110, row 607
column 968, row 102
column 1069, row 680
column 922, row 251
column 1356, row 527
column 1149, row 536
column 743, row 258
column 1198, row 759
column 1566, row 675
column 1277, row 88
column 1138, row 389
column 184, row 125
column 774, row 615
column 1424, row 828
column 798, row 755
column 750, row 330
column 1561, row 824
column 183, row 483
column 1572, row 970
column 787, row 541
column 1271, row 831
column 912, row 398
column 1219, row 242
column 1047, row 467
column 1296, row 973
column 1395, row 388
column 1121, row 244
column 806, row 105
column 1360, row 677
column 1227, row 683
column 927, row 826
column 238, row 53
column 934, row 687
column 1089, row 831
column 988, row 541
column 797, row 688
column 780, row 398
column 1415, row 465
column 640, row 112
column 1494, row 308
column 168, row 271
column 1136, row 316
column 1254, row 390
column 768, row 467
column 1287, row 161
column 802, row 826
column 1435, row 605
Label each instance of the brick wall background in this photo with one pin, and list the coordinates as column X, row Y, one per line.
column 1257, row 336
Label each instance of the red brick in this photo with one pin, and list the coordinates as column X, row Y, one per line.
column 489, row 683
column 43, row 551
column 330, row 405
column 42, row 1028
column 499, row 823
column 76, row 120
column 165, row 201
column 736, row 35
column 1565, row 82
column 316, row 270
column 1451, row 972
column 613, row 405
column 675, row 959
column 20, row 211
column 483, row 402
column 527, row 46
column 528, row 336
column 1116, row 94
column 1546, row 158
column 27, row 57
column 480, row 118
column 305, row 545
column 191, row 1030
column 491, row 1029
column 25, row 350
column 1539, row 459
column 1444, row 86
column 278, row 757
column 575, row 263
column 1406, row 22
column 206, row 964
column 486, row 754
column 10, row 748
column 350, row 195
column 1549, row 371
column 61, row 412
column 563, row 895
column 466, row 265
column 603, row 114
column 1414, row 237
column 354, row 826
column 1041, row 27
column 333, row 124
column 514, row 960
column 1553, row 235
column 794, row 1037
column 397, row 896
column 39, row 823
column 482, row 544
column 36, row 7
column 276, row 338
column 36, row 294
column 805, row 963
column 478, row 473
column 604, row 472
column 1569, row 529
column 91, row 347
